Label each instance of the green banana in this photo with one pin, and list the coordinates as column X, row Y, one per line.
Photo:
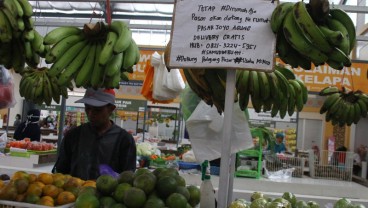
column 86, row 70
column 257, row 104
column 55, row 89
column 309, row 28
column 291, row 100
column 26, row 7
column 114, row 65
column 330, row 100
column 298, row 94
column 288, row 74
column 335, row 64
column 363, row 107
column 339, row 56
column 274, row 85
column 28, row 35
column 67, row 75
column 217, row 90
column 14, row 7
column 284, row 84
column 344, row 18
column 283, row 107
column 329, row 90
column 278, row 15
column 264, row 86
column 299, row 42
column 21, row 25
column 47, row 91
column 5, row 28
column 336, row 25
column 18, row 59
column 124, row 36
column 37, row 42
column 304, row 90
column 65, row 60
column 357, row 113
column 335, row 106
column 107, row 49
column 130, row 55
column 124, row 76
column 57, row 34
column 254, row 90
column 350, row 113
column 11, row 18
column 97, row 75
column 243, row 88
column 38, row 85
column 60, row 48
column 333, row 37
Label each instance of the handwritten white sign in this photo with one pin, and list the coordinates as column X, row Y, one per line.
column 226, row 34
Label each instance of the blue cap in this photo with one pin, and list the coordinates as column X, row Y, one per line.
column 279, row 135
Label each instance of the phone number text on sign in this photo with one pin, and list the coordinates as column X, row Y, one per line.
column 216, row 33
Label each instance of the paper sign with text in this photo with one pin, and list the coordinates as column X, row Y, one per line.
column 227, row 34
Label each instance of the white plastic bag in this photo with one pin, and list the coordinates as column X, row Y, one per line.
column 205, row 128
column 174, row 81
column 160, row 92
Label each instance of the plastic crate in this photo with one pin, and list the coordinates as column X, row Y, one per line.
column 189, row 165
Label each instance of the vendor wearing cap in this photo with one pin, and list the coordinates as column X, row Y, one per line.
column 279, row 146
column 99, row 141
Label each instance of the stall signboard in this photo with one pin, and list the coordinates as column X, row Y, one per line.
column 227, row 34
column 266, row 116
column 352, row 78
column 49, row 107
column 138, row 69
column 129, row 105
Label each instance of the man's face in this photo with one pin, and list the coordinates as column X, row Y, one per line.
column 279, row 140
column 98, row 116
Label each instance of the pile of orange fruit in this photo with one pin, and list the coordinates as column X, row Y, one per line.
column 45, row 189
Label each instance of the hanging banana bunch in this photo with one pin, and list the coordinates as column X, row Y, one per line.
column 279, row 91
column 20, row 44
column 342, row 107
column 313, row 33
column 96, row 56
column 39, row 87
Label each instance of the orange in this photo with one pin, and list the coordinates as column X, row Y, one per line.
column 32, row 177
column 65, row 197
column 59, row 182
column 34, row 189
column 89, row 183
column 45, row 178
column 1, row 184
column 50, row 190
column 38, row 183
column 20, row 197
column 46, row 201
column 72, row 182
column 20, row 174
column 57, row 176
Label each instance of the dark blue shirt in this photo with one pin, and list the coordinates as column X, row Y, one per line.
column 83, row 150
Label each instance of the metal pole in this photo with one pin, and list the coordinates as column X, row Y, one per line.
column 61, row 122
column 225, row 169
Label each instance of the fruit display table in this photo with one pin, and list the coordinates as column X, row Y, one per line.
column 30, row 161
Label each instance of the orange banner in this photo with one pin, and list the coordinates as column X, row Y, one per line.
column 352, row 78
column 138, row 69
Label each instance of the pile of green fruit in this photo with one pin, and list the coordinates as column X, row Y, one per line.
column 313, row 33
column 287, row 200
column 163, row 187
